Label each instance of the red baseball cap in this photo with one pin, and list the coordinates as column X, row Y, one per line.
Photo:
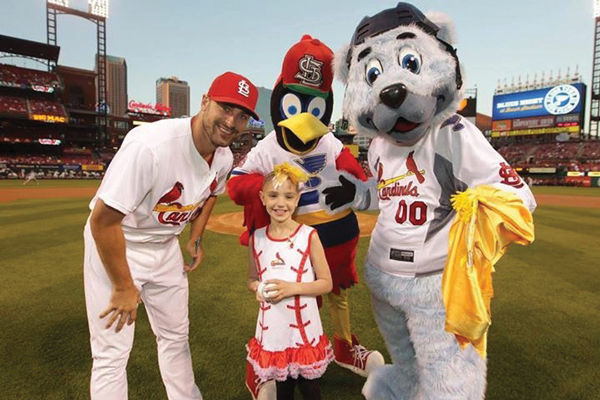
column 307, row 67
column 235, row 89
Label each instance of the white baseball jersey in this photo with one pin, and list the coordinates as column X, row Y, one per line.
column 319, row 164
column 414, row 187
column 294, row 321
column 160, row 181
column 289, row 339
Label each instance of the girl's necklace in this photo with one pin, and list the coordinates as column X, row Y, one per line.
column 291, row 238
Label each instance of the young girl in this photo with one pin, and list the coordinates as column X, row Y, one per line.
column 287, row 271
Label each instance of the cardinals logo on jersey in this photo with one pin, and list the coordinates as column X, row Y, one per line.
column 172, row 212
column 388, row 188
column 278, row 260
column 411, row 165
column 509, row 176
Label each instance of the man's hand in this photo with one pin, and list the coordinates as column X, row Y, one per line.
column 123, row 306
column 195, row 250
column 337, row 196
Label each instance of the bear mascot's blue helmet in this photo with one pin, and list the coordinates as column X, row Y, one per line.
column 403, row 14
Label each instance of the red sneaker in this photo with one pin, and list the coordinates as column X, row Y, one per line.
column 259, row 390
column 356, row 357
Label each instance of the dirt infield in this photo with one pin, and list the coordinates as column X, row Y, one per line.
column 12, row 194
column 231, row 223
column 571, row 201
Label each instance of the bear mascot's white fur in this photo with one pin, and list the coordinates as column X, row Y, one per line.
column 403, row 88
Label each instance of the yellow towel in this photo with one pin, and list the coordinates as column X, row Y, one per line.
column 487, row 221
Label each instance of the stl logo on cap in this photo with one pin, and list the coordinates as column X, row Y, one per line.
column 307, row 67
column 309, row 71
column 243, row 88
column 235, row 89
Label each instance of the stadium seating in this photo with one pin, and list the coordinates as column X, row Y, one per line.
column 591, row 150
column 46, row 107
column 13, row 105
column 574, row 156
column 26, row 78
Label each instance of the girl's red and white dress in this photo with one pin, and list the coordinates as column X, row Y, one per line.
column 289, row 339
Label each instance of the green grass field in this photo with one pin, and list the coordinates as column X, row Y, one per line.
column 544, row 342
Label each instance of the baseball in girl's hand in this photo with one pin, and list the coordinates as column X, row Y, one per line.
column 266, row 290
column 269, row 290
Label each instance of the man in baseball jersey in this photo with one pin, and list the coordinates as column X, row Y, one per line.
column 165, row 175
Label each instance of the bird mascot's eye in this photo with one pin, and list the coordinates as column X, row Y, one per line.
column 290, row 105
column 316, row 107
column 373, row 70
column 410, row 59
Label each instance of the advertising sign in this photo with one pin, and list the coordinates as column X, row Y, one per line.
column 501, row 125
column 574, row 130
column 533, row 122
column 147, row 108
column 568, row 120
column 542, row 170
column 49, row 142
column 49, row 118
column 558, row 100
column 92, row 167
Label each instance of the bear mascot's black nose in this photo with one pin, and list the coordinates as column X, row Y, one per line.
column 393, row 96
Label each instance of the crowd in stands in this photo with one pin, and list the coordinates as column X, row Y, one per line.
column 365, row 166
column 238, row 158
column 46, row 107
column 50, row 160
column 574, row 156
column 581, row 156
column 22, row 106
column 14, row 76
column 591, row 150
column 106, row 156
column 13, row 105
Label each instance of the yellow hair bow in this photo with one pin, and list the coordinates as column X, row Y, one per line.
column 284, row 171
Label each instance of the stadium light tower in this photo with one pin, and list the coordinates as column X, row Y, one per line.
column 97, row 13
column 595, row 106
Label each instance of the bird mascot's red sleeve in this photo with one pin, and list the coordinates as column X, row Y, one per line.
column 341, row 257
column 346, row 162
column 243, row 190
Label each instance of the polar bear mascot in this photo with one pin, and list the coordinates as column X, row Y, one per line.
column 449, row 205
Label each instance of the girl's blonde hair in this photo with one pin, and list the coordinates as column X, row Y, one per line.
column 283, row 172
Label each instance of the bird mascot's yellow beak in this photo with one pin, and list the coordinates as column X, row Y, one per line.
column 305, row 126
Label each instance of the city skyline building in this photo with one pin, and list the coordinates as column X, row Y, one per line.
column 116, row 84
column 175, row 94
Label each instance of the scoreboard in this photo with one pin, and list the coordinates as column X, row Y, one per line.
column 550, row 110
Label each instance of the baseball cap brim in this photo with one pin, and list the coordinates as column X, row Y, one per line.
column 306, row 90
column 236, row 102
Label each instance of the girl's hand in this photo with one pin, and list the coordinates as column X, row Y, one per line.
column 280, row 290
column 259, row 297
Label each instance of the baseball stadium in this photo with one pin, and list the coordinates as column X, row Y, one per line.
column 58, row 136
